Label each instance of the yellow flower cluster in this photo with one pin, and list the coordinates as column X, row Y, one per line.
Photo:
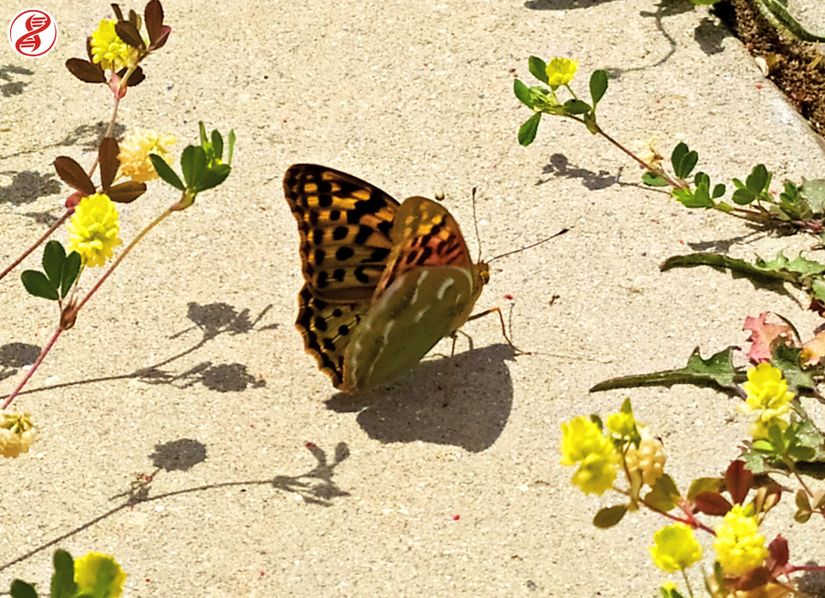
column 584, row 444
column 738, row 545
column 96, row 573
column 134, row 153
column 94, row 229
column 675, row 548
column 109, row 50
column 17, row 433
column 768, row 398
column 648, row 458
column 560, row 71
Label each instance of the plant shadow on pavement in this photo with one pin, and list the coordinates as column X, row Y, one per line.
column 212, row 320
column 463, row 401
column 315, row 486
column 12, row 80
column 708, row 34
column 27, row 187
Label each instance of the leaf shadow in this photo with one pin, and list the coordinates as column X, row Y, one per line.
column 559, row 167
column 462, row 401
column 812, row 583
column 28, row 186
column 724, row 245
column 13, row 83
column 315, row 486
column 87, row 137
column 212, row 320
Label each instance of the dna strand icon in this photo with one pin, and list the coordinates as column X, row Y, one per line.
column 29, row 42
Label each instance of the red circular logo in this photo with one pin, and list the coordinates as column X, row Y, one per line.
column 32, row 33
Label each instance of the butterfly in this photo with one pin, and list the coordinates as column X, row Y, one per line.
column 383, row 281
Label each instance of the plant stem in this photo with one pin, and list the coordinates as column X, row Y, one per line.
column 109, row 130
column 687, row 583
column 43, row 352
column 37, row 243
column 120, row 257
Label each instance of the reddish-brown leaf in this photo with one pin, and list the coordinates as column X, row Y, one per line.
column 136, row 78
column 162, row 38
column 711, row 503
column 118, row 12
column 153, row 16
column 129, row 33
column 107, row 156
column 778, row 554
column 738, row 481
column 126, row 192
column 85, row 70
column 753, row 579
column 134, row 19
column 72, row 173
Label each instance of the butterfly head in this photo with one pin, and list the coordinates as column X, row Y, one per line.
column 482, row 272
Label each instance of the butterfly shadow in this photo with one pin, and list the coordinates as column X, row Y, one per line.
column 463, row 401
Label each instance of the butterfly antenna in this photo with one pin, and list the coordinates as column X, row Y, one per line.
column 475, row 224
column 530, row 246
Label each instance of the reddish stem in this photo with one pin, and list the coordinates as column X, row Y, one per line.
column 43, row 352
column 37, row 243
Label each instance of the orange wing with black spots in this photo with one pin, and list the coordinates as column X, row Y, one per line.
column 423, row 234
column 345, row 225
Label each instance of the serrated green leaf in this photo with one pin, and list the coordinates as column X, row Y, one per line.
column 38, row 285
column 789, row 361
column 716, row 371
column 538, row 68
column 737, row 267
column 523, row 93
column 755, row 461
column 165, row 172
column 813, row 193
column 63, row 585
column 598, row 86
column 68, row 275
column 576, row 107
column 527, row 131
column 21, row 589
column 53, row 257
column 609, row 516
column 654, row 180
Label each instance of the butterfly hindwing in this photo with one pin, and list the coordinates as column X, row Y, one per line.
column 345, row 225
column 327, row 329
column 421, row 307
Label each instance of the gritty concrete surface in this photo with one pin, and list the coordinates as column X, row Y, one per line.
column 448, row 482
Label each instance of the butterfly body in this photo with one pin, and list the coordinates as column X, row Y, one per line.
column 384, row 282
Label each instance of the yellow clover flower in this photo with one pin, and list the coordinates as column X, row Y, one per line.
column 675, row 548
column 739, row 546
column 94, row 228
column 768, row 398
column 648, row 458
column 134, row 153
column 109, row 50
column 17, row 433
column 583, row 443
column 560, row 71
column 99, row 575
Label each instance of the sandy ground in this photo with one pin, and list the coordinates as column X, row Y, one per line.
column 446, row 483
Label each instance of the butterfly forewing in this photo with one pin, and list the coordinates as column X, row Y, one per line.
column 345, row 225
column 327, row 329
column 423, row 234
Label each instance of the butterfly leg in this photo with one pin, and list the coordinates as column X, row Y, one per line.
column 497, row 310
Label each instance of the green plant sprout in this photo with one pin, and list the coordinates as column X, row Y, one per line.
column 799, row 207
column 115, row 51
